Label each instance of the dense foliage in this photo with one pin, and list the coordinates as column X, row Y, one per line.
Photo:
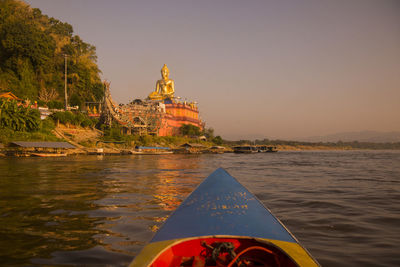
column 22, row 123
column 18, row 117
column 218, row 140
column 32, row 49
column 78, row 119
column 189, row 130
column 113, row 133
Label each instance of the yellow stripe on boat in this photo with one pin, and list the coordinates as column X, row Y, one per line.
column 153, row 250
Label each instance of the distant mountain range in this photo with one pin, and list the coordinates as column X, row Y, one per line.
column 363, row 136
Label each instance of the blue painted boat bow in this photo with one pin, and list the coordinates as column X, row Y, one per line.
column 220, row 208
column 220, row 205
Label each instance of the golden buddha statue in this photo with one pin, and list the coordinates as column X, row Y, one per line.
column 165, row 87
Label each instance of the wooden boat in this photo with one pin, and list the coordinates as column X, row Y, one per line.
column 150, row 152
column 267, row 149
column 222, row 224
column 145, row 150
column 38, row 154
column 215, row 150
column 245, row 149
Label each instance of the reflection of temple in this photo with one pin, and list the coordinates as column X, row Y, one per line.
column 160, row 114
column 171, row 184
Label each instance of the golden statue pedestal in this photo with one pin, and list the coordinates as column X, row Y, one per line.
column 155, row 96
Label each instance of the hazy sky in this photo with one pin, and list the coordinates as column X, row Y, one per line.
column 258, row 69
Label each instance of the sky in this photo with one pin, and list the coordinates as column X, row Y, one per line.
column 257, row 68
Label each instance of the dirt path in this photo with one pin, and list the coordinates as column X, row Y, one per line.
column 75, row 135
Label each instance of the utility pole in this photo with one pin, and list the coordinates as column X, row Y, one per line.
column 65, row 83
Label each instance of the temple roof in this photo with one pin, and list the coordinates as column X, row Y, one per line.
column 42, row 144
column 9, row 95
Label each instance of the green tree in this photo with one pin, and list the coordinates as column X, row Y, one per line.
column 189, row 130
column 75, row 100
column 218, row 140
column 18, row 117
column 209, row 133
column 32, row 48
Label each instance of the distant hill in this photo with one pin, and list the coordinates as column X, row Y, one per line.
column 363, row 136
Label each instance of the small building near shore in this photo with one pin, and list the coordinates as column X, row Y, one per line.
column 44, row 112
column 23, row 148
column 192, row 148
column 202, row 138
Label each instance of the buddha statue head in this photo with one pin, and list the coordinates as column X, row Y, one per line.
column 165, row 72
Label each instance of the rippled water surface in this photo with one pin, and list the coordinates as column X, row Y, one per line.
column 344, row 207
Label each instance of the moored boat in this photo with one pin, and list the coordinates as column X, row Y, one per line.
column 245, row 149
column 39, row 154
column 222, row 224
column 271, row 149
column 267, row 149
column 146, row 150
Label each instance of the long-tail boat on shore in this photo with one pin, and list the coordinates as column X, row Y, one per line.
column 46, row 155
column 222, row 224
column 151, row 150
column 254, row 149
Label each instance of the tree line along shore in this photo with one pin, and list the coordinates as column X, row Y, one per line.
column 23, row 123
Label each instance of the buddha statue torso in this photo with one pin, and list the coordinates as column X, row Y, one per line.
column 165, row 87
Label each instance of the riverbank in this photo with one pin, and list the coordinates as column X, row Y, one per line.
column 91, row 141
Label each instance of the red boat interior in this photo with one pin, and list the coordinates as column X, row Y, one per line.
column 229, row 252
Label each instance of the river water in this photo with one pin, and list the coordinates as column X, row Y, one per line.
column 344, row 207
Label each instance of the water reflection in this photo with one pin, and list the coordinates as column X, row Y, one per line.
column 169, row 187
column 44, row 206
column 84, row 208
column 102, row 210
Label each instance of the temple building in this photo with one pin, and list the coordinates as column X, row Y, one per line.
column 160, row 114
